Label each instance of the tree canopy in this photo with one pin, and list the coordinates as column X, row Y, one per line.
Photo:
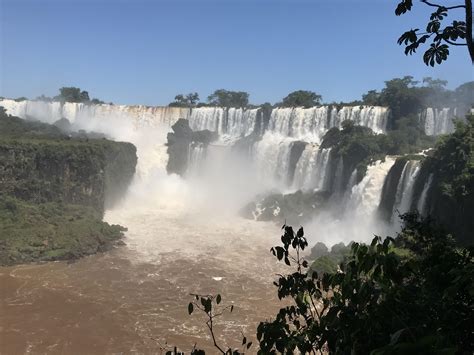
column 188, row 100
column 301, row 98
column 74, row 94
column 225, row 98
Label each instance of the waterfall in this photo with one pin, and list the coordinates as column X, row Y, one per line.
column 310, row 124
column 80, row 114
column 233, row 122
column 438, row 121
column 312, row 169
column 422, row 205
column 211, row 118
column 196, row 156
column 405, row 186
column 271, row 157
column 365, row 196
column 374, row 117
column 270, row 153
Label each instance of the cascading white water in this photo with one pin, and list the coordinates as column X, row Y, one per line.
column 183, row 236
column 404, row 194
column 80, row 113
column 270, row 161
column 312, row 168
column 310, row 124
column 356, row 217
column 233, row 122
column 196, row 157
column 374, row 117
column 421, row 205
column 438, row 121
column 365, row 196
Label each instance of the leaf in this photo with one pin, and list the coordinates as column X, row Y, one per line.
column 287, row 261
column 249, row 345
column 218, row 299
column 403, row 7
column 244, row 340
column 300, row 232
column 190, row 308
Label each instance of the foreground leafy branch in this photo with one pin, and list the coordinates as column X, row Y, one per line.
column 410, row 294
column 458, row 33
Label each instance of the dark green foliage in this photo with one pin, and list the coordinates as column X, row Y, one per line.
column 406, row 99
column 225, row 98
column 74, row 94
column 95, row 101
column 441, row 36
column 301, row 98
column 319, row 249
column 357, row 146
column 451, row 164
column 189, row 100
column 385, row 300
column 51, row 231
column 54, row 189
column 327, row 261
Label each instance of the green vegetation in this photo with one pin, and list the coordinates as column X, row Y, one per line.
column 51, row 231
column 301, row 98
column 458, row 33
column 412, row 294
column 359, row 147
column 225, row 98
column 54, row 189
column 406, row 98
column 451, row 196
column 73, row 94
column 326, row 261
column 189, row 100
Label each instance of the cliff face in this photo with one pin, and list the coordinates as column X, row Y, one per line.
column 180, row 141
column 40, row 164
column 78, row 172
column 54, row 189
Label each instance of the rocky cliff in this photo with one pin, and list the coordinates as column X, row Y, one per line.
column 54, row 189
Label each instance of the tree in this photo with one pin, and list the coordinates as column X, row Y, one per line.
column 301, row 98
column 44, row 98
column 400, row 94
column 95, row 101
column 225, row 98
column 72, row 94
column 189, row 100
column 412, row 294
column 458, row 33
column 372, row 98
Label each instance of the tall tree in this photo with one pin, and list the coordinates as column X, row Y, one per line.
column 189, row 100
column 458, row 33
column 72, row 94
column 227, row 98
column 301, row 98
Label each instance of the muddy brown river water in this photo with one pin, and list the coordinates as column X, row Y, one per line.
column 133, row 300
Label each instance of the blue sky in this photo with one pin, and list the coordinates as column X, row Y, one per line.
column 146, row 52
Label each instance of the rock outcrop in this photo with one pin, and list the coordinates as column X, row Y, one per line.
column 179, row 143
